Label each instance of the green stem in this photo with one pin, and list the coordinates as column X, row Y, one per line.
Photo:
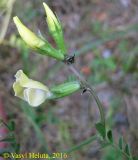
column 91, row 90
column 87, row 86
column 100, row 107
column 79, row 146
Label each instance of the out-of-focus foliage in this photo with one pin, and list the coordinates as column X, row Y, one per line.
column 3, row 4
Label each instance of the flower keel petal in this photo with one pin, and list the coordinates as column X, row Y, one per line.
column 35, row 97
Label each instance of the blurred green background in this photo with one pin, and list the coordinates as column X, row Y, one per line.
column 104, row 37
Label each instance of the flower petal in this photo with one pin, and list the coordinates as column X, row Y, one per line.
column 35, row 85
column 51, row 18
column 18, row 90
column 29, row 83
column 28, row 36
column 35, row 97
column 21, row 77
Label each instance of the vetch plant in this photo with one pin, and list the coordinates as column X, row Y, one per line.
column 36, row 93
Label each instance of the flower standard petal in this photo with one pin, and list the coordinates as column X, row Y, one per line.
column 34, row 84
column 18, row 90
column 25, row 82
column 21, row 77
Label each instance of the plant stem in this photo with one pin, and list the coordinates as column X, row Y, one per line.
column 86, row 85
column 85, row 142
column 6, row 19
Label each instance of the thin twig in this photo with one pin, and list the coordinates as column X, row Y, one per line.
column 6, row 20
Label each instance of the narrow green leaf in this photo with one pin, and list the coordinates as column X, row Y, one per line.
column 110, row 136
column 127, row 149
column 101, row 129
column 120, row 143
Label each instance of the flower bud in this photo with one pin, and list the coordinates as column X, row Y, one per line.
column 33, row 92
column 64, row 89
column 35, row 42
column 28, row 36
column 55, row 28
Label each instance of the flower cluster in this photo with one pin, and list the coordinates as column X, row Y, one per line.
column 34, row 92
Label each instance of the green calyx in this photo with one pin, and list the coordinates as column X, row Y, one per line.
column 48, row 50
column 65, row 89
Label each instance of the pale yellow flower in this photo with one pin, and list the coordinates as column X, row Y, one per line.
column 34, row 92
column 35, row 42
column 27, row 35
